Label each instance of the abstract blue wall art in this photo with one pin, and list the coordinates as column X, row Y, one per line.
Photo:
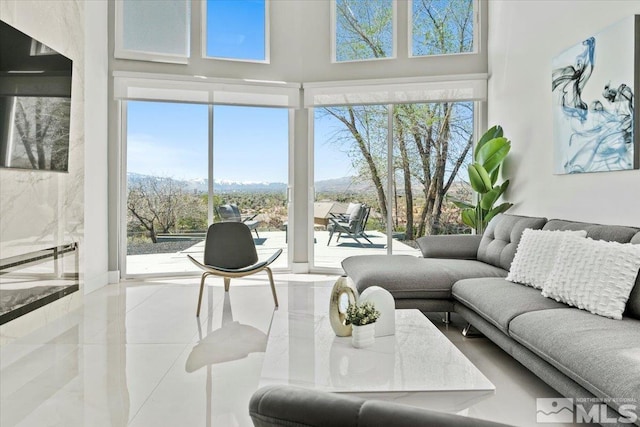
column 594, row 84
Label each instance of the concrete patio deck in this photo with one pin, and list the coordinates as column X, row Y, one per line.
column 269, row 241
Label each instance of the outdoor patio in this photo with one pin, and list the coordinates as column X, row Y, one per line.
column 269, row 241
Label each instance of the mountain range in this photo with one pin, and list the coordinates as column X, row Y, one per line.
column 201, row 185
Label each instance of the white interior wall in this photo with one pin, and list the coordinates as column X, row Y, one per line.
column 96, row 238
column 40, row 209
column 301, row 51
column 524, row 36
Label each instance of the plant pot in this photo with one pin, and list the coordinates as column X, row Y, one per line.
column 363, row 336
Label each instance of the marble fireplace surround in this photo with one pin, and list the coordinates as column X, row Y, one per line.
column 44, row 209
column 31, row 281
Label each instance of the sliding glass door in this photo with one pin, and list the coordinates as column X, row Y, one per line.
column 183, row 161
column 167, row 193
column 427, row 146
column 251, row 170
column 350, row 176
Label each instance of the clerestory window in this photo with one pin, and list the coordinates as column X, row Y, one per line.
column 442, row 27
column 363, row 29
column 237, row 30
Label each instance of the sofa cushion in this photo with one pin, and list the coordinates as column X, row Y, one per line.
column 500, row 239
column 412, row 277
column 600, row 354
column 499, row 301
column 633, row 305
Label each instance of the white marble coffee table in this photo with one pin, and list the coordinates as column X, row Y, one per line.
column 417, row 366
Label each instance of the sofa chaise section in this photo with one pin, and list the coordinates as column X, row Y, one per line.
column 425, row 282
column 410, row 278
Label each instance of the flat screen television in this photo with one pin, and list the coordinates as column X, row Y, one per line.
column 35, row 103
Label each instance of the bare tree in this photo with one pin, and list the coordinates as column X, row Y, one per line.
column 157, row 204
column 42, row 125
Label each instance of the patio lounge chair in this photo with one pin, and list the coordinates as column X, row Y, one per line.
column 229, row 251
column 353, row 228
column 344, row 217
column 231, row 213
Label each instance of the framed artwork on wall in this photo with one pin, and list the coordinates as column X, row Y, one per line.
column 595, row 125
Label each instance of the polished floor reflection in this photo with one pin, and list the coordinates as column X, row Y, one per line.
column 135, row 354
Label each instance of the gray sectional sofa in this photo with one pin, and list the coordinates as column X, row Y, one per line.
column 581, row 355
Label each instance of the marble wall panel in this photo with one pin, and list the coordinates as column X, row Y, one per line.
column 40, row 209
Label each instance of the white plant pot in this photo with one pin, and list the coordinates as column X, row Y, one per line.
column 363, row 336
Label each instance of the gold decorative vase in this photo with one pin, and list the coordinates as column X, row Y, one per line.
column 344, row 293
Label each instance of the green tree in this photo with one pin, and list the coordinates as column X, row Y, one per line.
column 364, row 29
column 442, row 26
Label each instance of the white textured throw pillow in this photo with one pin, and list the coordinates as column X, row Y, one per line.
column 536, row 255
column 594, row 275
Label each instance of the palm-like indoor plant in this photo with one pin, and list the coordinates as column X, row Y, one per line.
column 362, row 318
column 488, row 156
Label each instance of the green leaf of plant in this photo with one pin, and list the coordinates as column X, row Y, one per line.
column 494, row 132
column 498, row 210
column 493, row 153
column 462, row 205
column 487, row 200
column 479, row 178
column 469, row 217
column 504, row 187
column 494, row 176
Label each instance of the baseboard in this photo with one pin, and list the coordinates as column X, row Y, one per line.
column 94, row 283
column 114, row 277
column 300, row 267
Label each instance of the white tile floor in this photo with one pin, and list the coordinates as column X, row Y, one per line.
column 135, row 354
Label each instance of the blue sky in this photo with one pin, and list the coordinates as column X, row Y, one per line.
column 235, row 29
column 250, row 143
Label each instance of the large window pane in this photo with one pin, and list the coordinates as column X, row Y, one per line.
column 236, row 29
column 364, row 29
column 350, row 170
column 432, row 148
column 153, row 27
column 251, row 170
column 442, row 27
column 167, row 188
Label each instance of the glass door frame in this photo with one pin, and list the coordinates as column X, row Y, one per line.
column 479, row 123
column 122, row 136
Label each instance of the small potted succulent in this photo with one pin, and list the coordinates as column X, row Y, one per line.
column 362, row 318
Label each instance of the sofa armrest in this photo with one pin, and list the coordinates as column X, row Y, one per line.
column 279, row 406
column 457, row 246
column 287, row 406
